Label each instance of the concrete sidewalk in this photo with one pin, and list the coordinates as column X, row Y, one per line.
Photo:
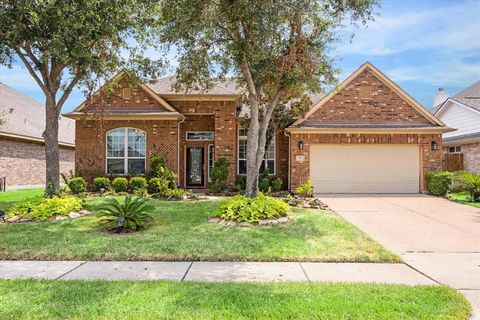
column 214, row 271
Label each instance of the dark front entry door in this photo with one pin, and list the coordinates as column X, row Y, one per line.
column 195, row 167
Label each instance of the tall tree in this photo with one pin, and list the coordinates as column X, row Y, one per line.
column 63, row 43
column 275, row 49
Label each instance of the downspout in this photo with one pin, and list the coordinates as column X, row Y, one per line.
column 289, row 160
column 178, row 149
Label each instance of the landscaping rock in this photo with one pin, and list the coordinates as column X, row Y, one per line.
column 84, row 212
column 245, row 224
column 24, row 220
column 283, row 219
column 74, row 215
column 59, row 217
column 231, row 223
column 214, row 220
column 13, row 219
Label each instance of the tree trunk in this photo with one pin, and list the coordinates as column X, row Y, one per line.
column 251, row 187
column 50, row 136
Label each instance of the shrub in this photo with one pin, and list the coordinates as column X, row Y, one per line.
column 159, row 169
column 470, row 182
column 276, row 184
column 176, row 194
column 264, row 185
column 77, row 185
column 305, row 190
column 102, row 183
column 159, row 185
column 44, row 208
column 120, row 184
column 241, row 183
column 242, row 209
column 138, row 183
column 132, row 214
column 219, row 175
column 438, row 183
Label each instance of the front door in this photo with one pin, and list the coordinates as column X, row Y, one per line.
column 195, row 174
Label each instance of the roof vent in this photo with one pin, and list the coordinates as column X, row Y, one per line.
column 11, row 110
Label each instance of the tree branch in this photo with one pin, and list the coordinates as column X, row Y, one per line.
column 32, row 71
column 69, row 89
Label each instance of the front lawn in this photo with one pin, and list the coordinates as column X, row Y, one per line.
column 35, row 299
column 181, row 232
column 10, row 197
column 463, row 197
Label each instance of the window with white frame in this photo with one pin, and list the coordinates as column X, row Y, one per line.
column 200, row 136
column 268, row 160
column 211, row 160
column 455, row 149
column 126, row 150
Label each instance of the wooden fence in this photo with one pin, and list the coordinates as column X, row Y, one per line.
column 453, row 162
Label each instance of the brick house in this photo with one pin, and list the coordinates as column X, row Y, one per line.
column 462, row 112
column 367, row 115
column 22, row 151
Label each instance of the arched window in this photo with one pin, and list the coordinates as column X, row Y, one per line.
column 126, row 150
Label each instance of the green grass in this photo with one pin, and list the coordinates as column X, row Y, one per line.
column 36, row 299
column 10, row 197
column 463, row 197
column 181, row 232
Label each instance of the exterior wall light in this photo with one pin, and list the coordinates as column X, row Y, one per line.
column 300, row 145
column 434, row 145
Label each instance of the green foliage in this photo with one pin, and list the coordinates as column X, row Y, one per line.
column 138, row 183
column 305, row 190
column 176, row 194
column 277, row 184
column 219, row 175
column 159, row 185
column 77, row 185
column 102, row 183
column 132, row 214
column 159, row 169
column 44, row 208
column 264, row 185
column 120, row 184
column 438, row 183
column 470, row 182
column 240, row 184
column 244, row 209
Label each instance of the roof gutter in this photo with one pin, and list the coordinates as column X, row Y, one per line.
column 124, row 116
column 433, row 130
column 33, row 139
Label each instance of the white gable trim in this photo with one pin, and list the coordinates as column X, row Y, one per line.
column 451, row 101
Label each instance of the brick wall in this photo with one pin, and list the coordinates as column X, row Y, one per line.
column 300, row 171
column 226, row 135
column 384, row 105
column 23, row 162
column 90, row 139
column 471, row 157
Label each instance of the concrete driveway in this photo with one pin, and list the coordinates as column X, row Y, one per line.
column 435, row 236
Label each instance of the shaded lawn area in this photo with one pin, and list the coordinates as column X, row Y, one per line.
column 43, row 299
column 10, row 197
column 464, row 198
column 181, row 232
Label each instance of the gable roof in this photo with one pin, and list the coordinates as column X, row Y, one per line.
column 389, row 83
column 25, row 118
column 165, row 86
column 469, row 97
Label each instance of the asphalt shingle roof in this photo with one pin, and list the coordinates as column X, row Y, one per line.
column 470, row 96
column 164, row 86
column 26, row 117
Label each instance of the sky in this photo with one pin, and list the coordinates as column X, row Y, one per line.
column 420, row 44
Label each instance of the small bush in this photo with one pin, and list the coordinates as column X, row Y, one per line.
column 159, row 169
column 120, row 184
column 138, row 183
column 276, row 184
column 241, row 183
column 176, row 194
column 102, row 183
column 438, row 183
column 132, row 214
column 44, row 208
column 159, row 185
column 242, row 209
column 77, row 185
column 470, row 182
column 219, row 175
column 264, row 185
column 305, row 190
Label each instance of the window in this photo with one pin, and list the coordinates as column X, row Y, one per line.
column 211, row 160
column 456, row 149
column 269, row 158
column 200, row 136
column 126, row 151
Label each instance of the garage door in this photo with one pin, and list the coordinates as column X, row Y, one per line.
column 365, row 168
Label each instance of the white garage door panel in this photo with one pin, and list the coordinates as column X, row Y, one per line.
column 365, row 168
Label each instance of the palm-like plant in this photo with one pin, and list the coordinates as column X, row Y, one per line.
column 471, row 182
column 133, row 214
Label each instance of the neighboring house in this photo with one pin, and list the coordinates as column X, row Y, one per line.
column 22, row 151
column 366, row 136
column 461, row 112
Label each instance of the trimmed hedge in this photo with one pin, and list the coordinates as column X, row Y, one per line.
column 120, row 184
column 242, row 209
column 77, row 185
column 102, row 183
column 438, row 183
column 138, row 183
